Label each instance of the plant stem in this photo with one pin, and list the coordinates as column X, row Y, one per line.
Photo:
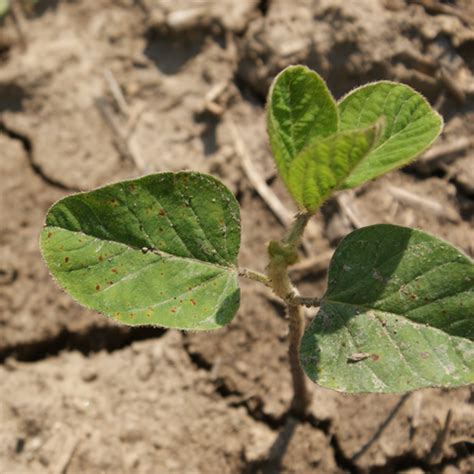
column 305, row 301
column 282, row 254
column 294, row 234
column 256, row 276
column 301, row 396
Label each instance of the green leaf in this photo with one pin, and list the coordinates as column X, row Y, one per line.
column 159, row 250
column 4, row 7
column 300, row 110
column 322, row 167
column 411, row 126
column 398, row 315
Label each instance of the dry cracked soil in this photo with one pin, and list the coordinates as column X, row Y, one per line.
column 96, row 91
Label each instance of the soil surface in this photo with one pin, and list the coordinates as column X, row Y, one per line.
column 94, row 92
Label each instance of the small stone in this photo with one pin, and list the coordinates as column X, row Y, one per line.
column 88, row 374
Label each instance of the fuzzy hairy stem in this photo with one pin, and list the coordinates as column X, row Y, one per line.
column 282, row 255
column 301, row 395
column 294, row 234
column 255, row 276
column 304, row 301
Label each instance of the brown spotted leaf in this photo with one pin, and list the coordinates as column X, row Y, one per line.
column 159, row 250
column 398, row 315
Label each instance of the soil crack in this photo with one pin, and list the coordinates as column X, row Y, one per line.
column 254, row 408
column 94, row 339
column 27, row 145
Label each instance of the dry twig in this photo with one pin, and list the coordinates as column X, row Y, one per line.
column 210, row 100
column 116, row 92
column 346, row 201
column 311, row 265
column 262, row 188
column 123, row 137
column 65, row 461
column 451, row 85
column 423, row 203
column 19, row 21
column 436, row 452
column 442, row 154
column 417, row 403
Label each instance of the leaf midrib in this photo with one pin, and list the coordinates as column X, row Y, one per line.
column 158, row 252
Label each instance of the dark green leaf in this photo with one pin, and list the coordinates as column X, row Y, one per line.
column 398, row 315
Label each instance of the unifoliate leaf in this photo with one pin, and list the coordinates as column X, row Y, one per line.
column 411, row 126
column 323, row 166
column 300, row 110
column 158, row 250
column 398, row 315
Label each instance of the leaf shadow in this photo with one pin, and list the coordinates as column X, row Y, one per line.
column 348, row 289
column 228, row 308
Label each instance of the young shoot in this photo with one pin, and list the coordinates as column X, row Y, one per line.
column 398, row 313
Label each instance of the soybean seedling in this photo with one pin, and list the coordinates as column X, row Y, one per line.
column 162, row 250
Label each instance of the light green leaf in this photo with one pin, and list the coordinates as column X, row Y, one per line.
column 398, row 315
column 159, row 250
column 300, row 110
column 411, row 126
column 4, row 7
column 323, row 166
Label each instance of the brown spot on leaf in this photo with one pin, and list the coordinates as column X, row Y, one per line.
column 361, row 356
column 66, row 259
column 97, row 287
column 101, row 258
column 193, row 302
column 162, row 212
column 173, row 309
column 110, row 282
column 49, row 235
column 114, row 270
